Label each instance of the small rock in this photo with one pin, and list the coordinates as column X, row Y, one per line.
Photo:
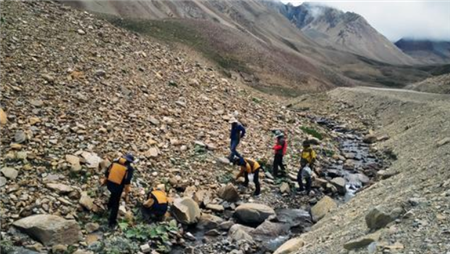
column 145, row 248
column 91, row 227
column 20, row 137
column 3, row 181
column 209, row 221
column 363, row 241
column 100, row 73
column 86, row 201
column 215, row 207
column 81, row 32
column 443, row 142
column 290, row 246
column 10, row 173
column 378, row 218
column 3, row 117
column 370, row 139
column 154, row 121
column 284, row 188
column 59, row 248
column 60, row 188
column 229, row 193
column 212, row 232
column 48, row 78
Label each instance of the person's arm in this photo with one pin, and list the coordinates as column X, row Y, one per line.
column 105, row 178
column 149, row 202
column 242, row 131
column 241, row 172
column 127, row 180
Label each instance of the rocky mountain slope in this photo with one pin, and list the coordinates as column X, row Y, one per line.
column 254, row 42
column 345, row 31
column 439, row 84
column 77, row 92
column 426, row 51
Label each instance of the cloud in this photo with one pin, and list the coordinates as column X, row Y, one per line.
column 418, row 19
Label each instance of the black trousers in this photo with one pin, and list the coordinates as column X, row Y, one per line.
column 255, row 180
column 278, row 162
column 113, row 206
column 300, row 182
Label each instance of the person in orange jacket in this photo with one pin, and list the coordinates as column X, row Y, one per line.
column 156, row 205
column 118, row 179
column 249, row 166
column 280, row 150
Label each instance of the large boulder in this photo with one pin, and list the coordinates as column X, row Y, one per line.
column 324, row 206
column 229, row 193
column 290, row 246
column 209, row 221
column 50, row 229
column 270, row 229
column 186, row 210
column 253, row 214
column 339, row 183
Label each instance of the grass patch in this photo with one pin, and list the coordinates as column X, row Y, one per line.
column 311, row 132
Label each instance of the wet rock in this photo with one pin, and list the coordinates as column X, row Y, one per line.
column 339, row 183
column 186, row 210
column 270, row 229
column 20, row 137
column 362, row 241
column 3, row 117
column 378, row 217
column 295, row 218
column 290, row 246
column 10, row 173
column 229, row 193
column 209, row 221
column 239, row 232
column 50, row 229
column 284, row 188
column 60, row 188
column 212, row 232
column 370, row 139
column 226, row 225
column 253, row 214
column 322, row 208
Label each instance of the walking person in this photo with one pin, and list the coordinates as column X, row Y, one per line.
column 118, row 179
column 249, row 168
column 280, row 150
column 237, row 132
column 308, row 157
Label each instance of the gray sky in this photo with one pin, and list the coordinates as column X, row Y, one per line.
column 397, row 19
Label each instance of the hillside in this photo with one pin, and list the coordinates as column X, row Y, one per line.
column 78, row 92
column 344, row 31
column 254, row 42
column 439, row 84
column 426, row 51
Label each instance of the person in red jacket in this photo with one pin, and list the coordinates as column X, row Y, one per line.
column 280, row 150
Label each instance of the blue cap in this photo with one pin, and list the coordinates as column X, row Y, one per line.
column 129, row 157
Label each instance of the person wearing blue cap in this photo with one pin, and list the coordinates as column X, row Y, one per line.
column 118, row 179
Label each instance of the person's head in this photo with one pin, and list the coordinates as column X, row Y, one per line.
column 233, row 121
column 239, row 161
column 279, row 134
column 306, row 144
column 129, row 158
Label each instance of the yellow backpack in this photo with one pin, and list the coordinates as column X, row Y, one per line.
column 117, row 172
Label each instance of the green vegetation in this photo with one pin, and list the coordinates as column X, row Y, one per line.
column 311, row 132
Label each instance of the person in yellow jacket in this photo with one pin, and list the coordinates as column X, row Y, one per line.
column 118, row 179
column 308, row 157
column 156, row 205
column 249, row 167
